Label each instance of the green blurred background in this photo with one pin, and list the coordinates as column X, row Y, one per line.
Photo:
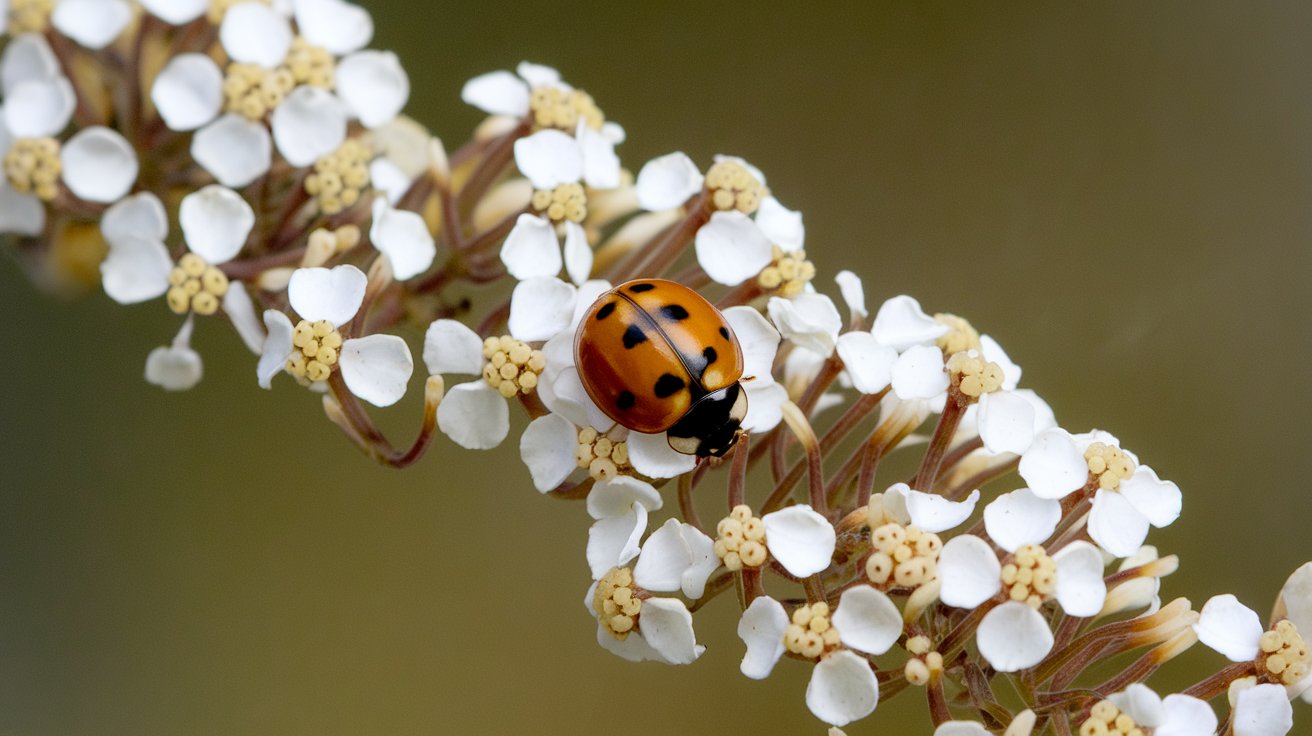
column 1119, row 192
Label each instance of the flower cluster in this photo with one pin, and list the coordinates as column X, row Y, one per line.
column 248, row 162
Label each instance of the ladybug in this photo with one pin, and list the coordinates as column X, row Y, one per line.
column 657, row 357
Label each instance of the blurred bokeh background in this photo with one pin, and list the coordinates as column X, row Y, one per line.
column 1119, row 192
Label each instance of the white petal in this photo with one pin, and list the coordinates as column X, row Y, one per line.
column 1006, row 422
column 320, row 293
column 474, row 415
column 762, row 628
column 497, row 93
column 758, row 339
column 868, row 364
column 240, row 309
column 540, row 308
column 969, row 571
column 92, row 23
column 666, row 626
column 800, row 539
column 39, row 108
column 532, row 249
column 1140, row 703
column 373, row 85
column 854, row 294
column 539, row 75
column 918, row 373
column 1053, row 466
column 176, row 12
column 308, row 124
column 253, row 33
column 1080, row 586
column 589, row 291
column 765, row 401
column 1297, row 596
column 403, row 237
column 1263, row 710
column 1158, row 500
column 1044, row 419
column 731, row 248
column 1013, row 637
column 867, row 620
column 22, row 214
column 336, row 26
column 667, row 182
column 233, row 149
column 651, row 455
column 842, row 689
column 215, row 223
column 563, row 393
column 1116, row 525
column 136, row 269
column 616, row 496
column 614, row 541
column 451, row 347
column 176, row 367
column 751, row 169
column 387, row 177
column 377, row 368
column 1230, row 628
column 277, row 347
column 994, row 353
column 809, row 320
column 934, row 513
column 670, row 554
column 782, row 226
column 961, row 728
column 99, row 165
column 578, row 254
column 601, row 167
column 1186, row 716
column 704, row 562
column 28, row 57
column 141, row 215
column 901, row 323
column 549, row 158
column 547, row 447
column 633, row 648
column 1016, row 519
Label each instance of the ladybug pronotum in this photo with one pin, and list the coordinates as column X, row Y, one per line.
column 657, row 357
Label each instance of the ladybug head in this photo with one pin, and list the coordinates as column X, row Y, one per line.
column 710, row 427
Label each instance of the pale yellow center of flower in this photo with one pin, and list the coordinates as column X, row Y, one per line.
column 920, row 668
column 29, row 16
column 616, row 602
column 603, row 457
column 219, row 8
column 905, row 557
column 973, row 375
column 1030, row 577
column 324, row 243
column 1109, row 464
column 341, row 177
column 310, row 64
column 733, row 187
column 740, row 539
column 811, row 634
column 960, row 336
column 565, row 202
column 1107, row 720
column 195, row 286
column 1284, row 654
column 252, row 91
column 551, row 107
column 788, row 273
column 318, row 346
column 32, row 166
column 512, row 366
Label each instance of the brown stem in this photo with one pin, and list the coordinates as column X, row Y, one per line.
column 1219, row 683
column 953, row 411
column 955, row 493
column 738, row 472
column 686, row 507
column 655, row 258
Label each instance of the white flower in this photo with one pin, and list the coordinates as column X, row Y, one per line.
column 336, row 26
column 810, row 321
column 919, row 373
column 1016, row 519
column 869, row 364
column 253, row 33
column 667, row 182
column 547, row 448
column 473, row 414
column 504, row 93
column 901, row 323
column 1174, row 715
column 403, row 237
column 676, row 558
column 783, row 227
column 799, row 538
column 929, row 511
column 234, row 150
column 854, row 294
column 176, row 12
column 175, row 367
column 961, row 728
column 188, row 92
column 99, row 165
column 731, row 248
column 92, row 23
column 760, row 343
column 620, row 506
column 1263, row 710
column 308, row 125
column 664, row 633
column 1119, row 520
column 374, row 86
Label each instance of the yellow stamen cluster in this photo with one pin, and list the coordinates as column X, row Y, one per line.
column 195, row 286
column 923, row 663
column 219, row 8
column 961, row 335
column 1284, row 653
column 603, row 457
column 908, row 556
column 616, row 603
column 788, row 274
column 252, row 91
column 324, row 243
column 974, row 376
column 318, row 346
column 32, row 166
column 565, row 202
column 1109, row 464
column 733, row 187
column 1030, row 577
column 740, row 539
column 29, row 16
column 512, row 366
column 310, row 64
column 811, row 634
column 1107, row 720
column 341, row 177
column 552, row 107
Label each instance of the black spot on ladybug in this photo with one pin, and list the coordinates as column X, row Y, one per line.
column 724, row 332
column 710, row 355
column 625, row 401
column 674, row 311
column 639, row 288
column 668, row 385
column 605, row 310
column 633, row 336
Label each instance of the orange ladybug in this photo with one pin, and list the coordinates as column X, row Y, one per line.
column 657, row 357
